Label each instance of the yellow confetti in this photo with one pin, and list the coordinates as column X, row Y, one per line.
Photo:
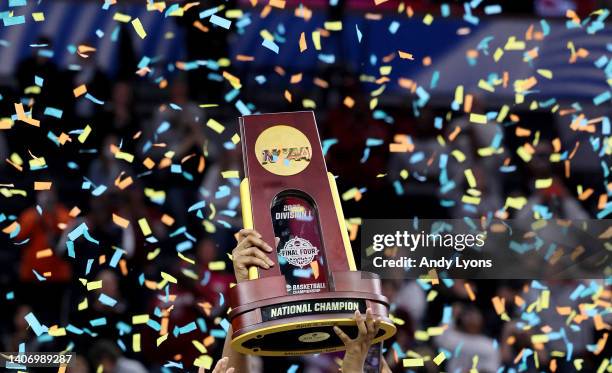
column 469, row 176
column 199, row 346
column 543, row 183
column 161, row 339
column 333, row 25
column 514, row 45
column 38, row 16
column 124, row 156
column 93, row 285
column 140, row 319
column 418, row 362
column 215, row 126
column 153, row 254
column 439, row 358
column 303, row 45
column 459, row 156
column 168, row 277
column 216, row 266
column 203, row 361
column 83, row 136
column 478, row 118
column 83, row 305
column 516, row 202
column 233, row 80
column 136, row 342
column 502, row 113
column 309, row 104
column 498, row 54
column 316, row 39
column 139, row 29
column 459, row 94
column 539, row 338
column 230, row 174
column 120, row 17
column 545, row 73
column 188, row 260
column 144, row 226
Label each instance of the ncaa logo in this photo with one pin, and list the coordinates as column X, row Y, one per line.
column 299, row 252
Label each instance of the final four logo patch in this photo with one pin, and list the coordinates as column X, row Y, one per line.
column 299, row 252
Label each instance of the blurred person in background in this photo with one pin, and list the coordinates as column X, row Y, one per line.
column 41, row 228
column 580, row 333
column 78, row 365
column 185, row 134
column 117, row 118
column 181, row 308
column 224, row 193
column 213, row 283
column 111, row 287
column 552, row 201
column 106, row 168
column 411, row 298
column 20, row 332
column 178, row 133
column 106, row 355
column 467, row 334
column 404, row 338
column 484, row 153
column 216, row 42
column 100, row 226
column 41, row 64
column 98, row 83
column 513, row 340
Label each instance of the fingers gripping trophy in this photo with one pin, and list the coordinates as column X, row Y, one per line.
column 297, row 278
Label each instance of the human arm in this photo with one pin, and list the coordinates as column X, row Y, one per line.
column 250, row 251
column 357, row 349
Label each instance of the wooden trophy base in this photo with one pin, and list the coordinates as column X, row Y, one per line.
column 270, row 323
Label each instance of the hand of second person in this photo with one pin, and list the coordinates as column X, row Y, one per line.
column 250, row 251
column 221, row 366
column 357, row 349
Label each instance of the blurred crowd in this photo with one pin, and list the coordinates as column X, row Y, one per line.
column 140, row 118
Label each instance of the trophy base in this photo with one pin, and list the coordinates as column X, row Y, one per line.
column 303, row 324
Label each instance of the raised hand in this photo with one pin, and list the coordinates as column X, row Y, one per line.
column 357, row 349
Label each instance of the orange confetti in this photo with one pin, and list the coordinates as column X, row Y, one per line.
column 303, row 45
column 469, row 291
column 405, row 55
column 42, row 185
column 296, row 78
column 80, row 90
column 122, row 222
column 167, row 219
column 44, row 253
column 244, row 58
column 348, row 102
